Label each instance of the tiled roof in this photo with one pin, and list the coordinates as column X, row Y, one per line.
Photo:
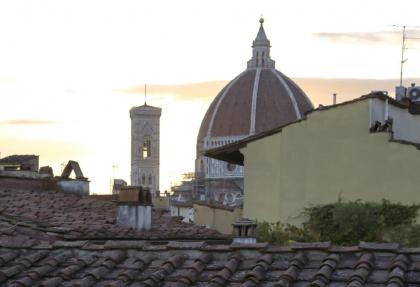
column 231, row 112
column 18, row 158
column 140, row 263
column 55, row 215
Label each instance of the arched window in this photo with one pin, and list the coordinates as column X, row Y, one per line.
column 146, row 150
column 143, row 179
column 149, row 179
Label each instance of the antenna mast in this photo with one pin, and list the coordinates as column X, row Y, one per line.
column 145, row 95
column 403, row 47
column 402, row 55
column 402, row 51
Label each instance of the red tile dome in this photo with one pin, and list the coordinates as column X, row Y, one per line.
column 259, row 99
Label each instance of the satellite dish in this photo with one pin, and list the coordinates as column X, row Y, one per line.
column 414, row 93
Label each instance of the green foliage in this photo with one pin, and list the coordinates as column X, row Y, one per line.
column 348, row 222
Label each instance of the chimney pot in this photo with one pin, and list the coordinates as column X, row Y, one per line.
column 245, row 231
column 135, row 207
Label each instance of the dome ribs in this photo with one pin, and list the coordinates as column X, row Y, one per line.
column 256, row 101
column 302, row 99
column 274, row 107
column 232, row 115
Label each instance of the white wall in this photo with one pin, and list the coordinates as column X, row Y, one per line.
column 405, row 125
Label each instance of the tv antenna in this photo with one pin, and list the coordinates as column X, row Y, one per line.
column 145, row 95
column 403, row 47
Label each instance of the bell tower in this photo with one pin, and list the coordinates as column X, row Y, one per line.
column 145, row 140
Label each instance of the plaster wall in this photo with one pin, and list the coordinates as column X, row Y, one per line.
column 405, row 126
column 161, row 202
column 79, row 187
column 217, row 218
column 186, row 212
column 316, row 161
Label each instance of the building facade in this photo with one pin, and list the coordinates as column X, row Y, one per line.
column 365, row 149
column 145, row 144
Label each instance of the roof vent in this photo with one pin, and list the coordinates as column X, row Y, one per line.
column 135, row 207
column 245, row 231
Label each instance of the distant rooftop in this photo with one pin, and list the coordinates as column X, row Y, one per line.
column 18, row 158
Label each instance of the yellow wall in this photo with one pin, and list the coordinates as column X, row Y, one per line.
column 217, row 218
column 317, row 160
column 161, row 202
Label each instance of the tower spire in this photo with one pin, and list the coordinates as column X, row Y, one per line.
column 261, row 50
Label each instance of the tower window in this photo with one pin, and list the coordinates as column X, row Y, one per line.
column 146, row 149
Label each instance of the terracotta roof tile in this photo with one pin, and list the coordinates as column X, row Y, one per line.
column 54, row 215
column 197, row 266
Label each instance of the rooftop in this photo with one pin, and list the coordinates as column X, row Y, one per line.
column 18, row 158
column 140, row 263
column 50, row 215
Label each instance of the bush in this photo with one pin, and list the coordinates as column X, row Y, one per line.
column 348, row 222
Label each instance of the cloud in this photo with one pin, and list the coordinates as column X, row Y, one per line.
column 197, row 91
column 364, row 37
column 28, row 122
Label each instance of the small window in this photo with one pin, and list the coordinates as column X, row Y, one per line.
column 146, row 149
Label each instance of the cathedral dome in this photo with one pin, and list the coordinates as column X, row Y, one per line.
column 259, row 99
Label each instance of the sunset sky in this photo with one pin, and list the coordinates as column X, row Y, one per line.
column 71, row 70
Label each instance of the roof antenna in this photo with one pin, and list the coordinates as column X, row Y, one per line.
column 404, row 38
column 145, row 94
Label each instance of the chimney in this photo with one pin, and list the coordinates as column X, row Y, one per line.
column 135, row 207
column 334, row 98
column 79, row 185
column 245, row 231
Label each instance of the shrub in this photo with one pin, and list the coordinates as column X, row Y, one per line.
column 348, row 222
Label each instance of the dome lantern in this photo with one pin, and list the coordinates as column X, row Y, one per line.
column 261, row 50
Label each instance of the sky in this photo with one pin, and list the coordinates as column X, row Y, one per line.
column 71, row 70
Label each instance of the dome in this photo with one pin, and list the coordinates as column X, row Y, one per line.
column 259, row 99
